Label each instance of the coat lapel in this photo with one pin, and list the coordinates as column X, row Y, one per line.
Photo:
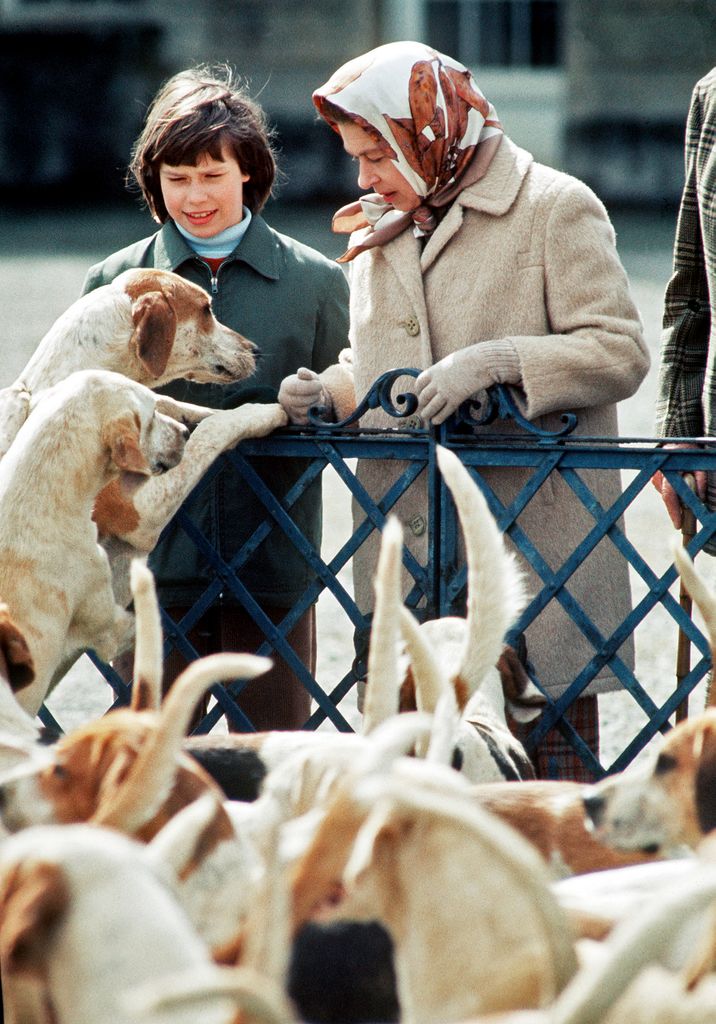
column 403, row 256
column 493, row 194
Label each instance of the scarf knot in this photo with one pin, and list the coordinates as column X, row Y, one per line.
column 427, row 114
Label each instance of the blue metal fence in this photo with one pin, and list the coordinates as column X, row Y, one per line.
column 439, row 583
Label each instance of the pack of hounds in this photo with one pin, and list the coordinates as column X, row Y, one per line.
column 414, row 872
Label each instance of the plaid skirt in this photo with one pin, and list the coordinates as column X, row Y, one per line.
column 555, row 757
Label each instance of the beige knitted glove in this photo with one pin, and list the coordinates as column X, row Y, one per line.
column 445, row 385
column 299, row 392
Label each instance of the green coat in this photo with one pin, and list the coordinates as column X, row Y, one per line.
column 292, row 302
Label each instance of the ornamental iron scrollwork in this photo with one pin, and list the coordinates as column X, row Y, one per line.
column 379, row 394
column 496, row 403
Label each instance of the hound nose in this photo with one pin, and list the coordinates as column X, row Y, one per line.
column 593, row 806
column 246, row 344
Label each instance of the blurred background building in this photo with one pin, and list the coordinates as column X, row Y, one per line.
column 597, row 87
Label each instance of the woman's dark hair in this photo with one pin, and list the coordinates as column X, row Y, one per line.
column 196, row 112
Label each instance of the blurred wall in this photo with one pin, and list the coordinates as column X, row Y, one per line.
column 71, row 97
column 630, row 67
column 76, row 75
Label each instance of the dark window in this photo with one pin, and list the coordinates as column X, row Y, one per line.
column 497, row 33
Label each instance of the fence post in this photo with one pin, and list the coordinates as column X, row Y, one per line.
column 683, row 649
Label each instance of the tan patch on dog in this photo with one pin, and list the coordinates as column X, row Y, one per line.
column 217, row 830
column 92, row 762
column 114, row 512
column 192, row 304
column 407, row 698
column 33, row 899
column 142, row 694
column 17, row 566
column 319, row 872
column 230, row 953
column 155, row 322
column 462, row 692
column 87, row 760
column 121, row 438
column 515, row 680
column 550, row 815
column 686, row 774
column 22, row 573
column 16, row 664
column 181, row 302
column 189, row 784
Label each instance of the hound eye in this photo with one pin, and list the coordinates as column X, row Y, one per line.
column 664, row 763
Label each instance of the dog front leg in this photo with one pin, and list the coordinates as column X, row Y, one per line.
column 185, row 412
column 99, row 622
column 160, row 497
column 14, row 410
column 117, row 638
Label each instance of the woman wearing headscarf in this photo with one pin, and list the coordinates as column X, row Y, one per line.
column 477, row 265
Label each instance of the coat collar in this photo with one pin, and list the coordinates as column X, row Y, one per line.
column 497, row 191
column 494, row 194
column 403, row 255
column 258, row 249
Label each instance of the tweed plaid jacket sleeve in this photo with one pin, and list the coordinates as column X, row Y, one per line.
column 686, row 397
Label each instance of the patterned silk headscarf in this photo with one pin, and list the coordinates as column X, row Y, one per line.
column 425, row 111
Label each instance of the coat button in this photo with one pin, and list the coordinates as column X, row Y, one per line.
column 413, row 422
column 417, row 526
column 411, row 325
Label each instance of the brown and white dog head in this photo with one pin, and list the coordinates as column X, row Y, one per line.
column 670, row 800
column 33, row 899
column 175, row 333
column 667, row 803
column 138, row 441
column 126, row 769
column 86, row 917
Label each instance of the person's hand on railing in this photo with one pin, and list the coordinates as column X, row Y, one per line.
column 449, row 382
column 669, row 496
column 299, row 392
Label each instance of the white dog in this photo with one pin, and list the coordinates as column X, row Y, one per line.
column 150, row 325
column 54, row 577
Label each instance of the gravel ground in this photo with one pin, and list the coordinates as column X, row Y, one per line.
column 46, row 255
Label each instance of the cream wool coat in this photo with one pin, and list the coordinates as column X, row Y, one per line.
column 526, row 254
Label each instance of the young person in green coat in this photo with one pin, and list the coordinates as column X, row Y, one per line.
column 205, row 166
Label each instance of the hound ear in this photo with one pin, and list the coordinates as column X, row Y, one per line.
column 705, row 783
column 33, row 898
column 376, row 841
column 155, row 325
column 16, row 662
column 523, row 700
column 127, row 455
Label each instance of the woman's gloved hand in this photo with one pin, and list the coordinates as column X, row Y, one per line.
column 449, row 382
column 299, row 392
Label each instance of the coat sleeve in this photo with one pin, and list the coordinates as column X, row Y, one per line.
column 332, row 321
column 594, row 353
column 93, row 279
column 686, row 322
column 332, row 356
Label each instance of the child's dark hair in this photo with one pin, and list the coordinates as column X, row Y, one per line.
column 200, row 111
